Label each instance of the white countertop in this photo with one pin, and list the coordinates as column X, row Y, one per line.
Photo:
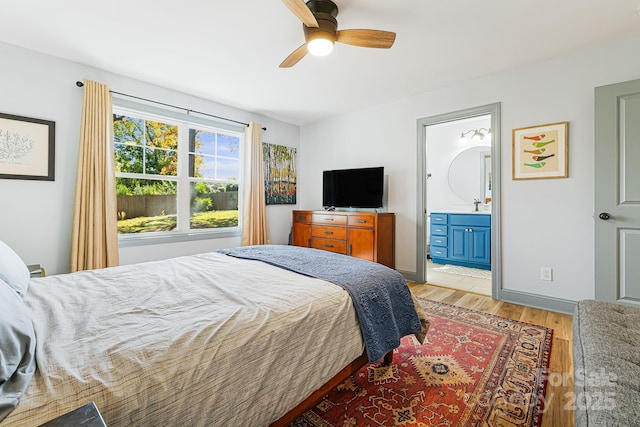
column 470, row 211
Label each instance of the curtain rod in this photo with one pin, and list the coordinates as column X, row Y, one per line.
column 188, row 110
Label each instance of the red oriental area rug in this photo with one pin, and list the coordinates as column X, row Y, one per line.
column 474, row 369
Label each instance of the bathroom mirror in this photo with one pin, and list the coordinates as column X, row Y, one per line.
column 470, row 174
column 486, row 174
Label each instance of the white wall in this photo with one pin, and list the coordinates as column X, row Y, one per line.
column 544, row 222
column 35, row 216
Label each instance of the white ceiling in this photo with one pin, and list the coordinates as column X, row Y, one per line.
column 229, row 51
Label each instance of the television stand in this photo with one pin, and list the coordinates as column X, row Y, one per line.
column 365, row 235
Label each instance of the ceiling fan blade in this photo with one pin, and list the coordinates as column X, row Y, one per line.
column 302, row 11
column 367, row 38
column 295, row 56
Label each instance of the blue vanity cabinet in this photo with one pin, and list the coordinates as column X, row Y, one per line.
column 461, row 239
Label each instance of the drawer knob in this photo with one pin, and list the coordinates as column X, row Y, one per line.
column 361, row 221
column 328, row 245
column 328, row 219
column 328, row 232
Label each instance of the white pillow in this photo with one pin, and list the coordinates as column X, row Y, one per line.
column 18, row 346
column 13, row 270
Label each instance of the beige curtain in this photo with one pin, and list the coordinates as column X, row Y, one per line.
column 94, row 236
column 254, row 219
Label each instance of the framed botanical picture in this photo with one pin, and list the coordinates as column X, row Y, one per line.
column 27, row 148
column 540, row 152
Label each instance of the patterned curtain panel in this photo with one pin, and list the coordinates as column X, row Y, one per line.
column 94, row 237
column 254, row 220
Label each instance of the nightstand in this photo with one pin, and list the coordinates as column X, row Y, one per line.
column 86, row 416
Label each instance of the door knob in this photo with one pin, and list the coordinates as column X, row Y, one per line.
column 604, row 216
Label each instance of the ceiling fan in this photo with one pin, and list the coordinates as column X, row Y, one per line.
column 321, row 31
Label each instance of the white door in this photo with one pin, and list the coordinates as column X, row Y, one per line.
column 617, row 192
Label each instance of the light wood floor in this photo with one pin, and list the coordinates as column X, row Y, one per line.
column 559, row 395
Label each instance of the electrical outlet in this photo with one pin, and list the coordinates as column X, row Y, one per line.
column 546, row 273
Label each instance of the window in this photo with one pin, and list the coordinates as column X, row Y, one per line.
column 175, row 175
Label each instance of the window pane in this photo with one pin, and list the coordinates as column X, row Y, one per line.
column 228, row 146
column 202, row 166
column 146, row 205
column 228, row 169
column 129, row 158
column 128, row 130
column 210, row 167
column 213, row 155
column 161, row 135
column 161, row 162
column 131, row 134
column 202, row 142
column 213, row 205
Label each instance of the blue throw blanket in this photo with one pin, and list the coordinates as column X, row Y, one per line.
column 380, row 295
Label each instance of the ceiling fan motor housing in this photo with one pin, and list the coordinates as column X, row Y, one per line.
column 325, row 12
column 323, row 6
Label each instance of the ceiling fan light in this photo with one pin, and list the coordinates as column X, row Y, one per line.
column 320, row 46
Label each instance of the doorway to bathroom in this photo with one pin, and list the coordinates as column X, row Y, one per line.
column 459, row 200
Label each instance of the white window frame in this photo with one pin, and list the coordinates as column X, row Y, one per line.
column 182, row 232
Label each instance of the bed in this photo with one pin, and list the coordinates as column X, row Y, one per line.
column 209, row 339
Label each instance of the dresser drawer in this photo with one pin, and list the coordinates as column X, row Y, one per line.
column 438, row 218
column 319, row 218
column 438, row 241
column 360, row 221
column 329, row 231
column 438, row 252
column 339, row 246
column 438, row 230
column 301, row 217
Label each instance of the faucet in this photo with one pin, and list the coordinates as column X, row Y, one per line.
column 476, row 202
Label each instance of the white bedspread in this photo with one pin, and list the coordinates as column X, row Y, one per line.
column 201, row 340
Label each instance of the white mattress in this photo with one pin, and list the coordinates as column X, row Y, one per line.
column 200, row 340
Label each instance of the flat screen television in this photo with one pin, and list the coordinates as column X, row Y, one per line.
column 353, row 188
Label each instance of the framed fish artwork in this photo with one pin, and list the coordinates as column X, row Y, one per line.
column 541, row 151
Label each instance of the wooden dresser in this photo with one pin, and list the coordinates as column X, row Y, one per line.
column 365, row 235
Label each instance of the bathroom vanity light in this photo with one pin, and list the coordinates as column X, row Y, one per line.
column 478, row 135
